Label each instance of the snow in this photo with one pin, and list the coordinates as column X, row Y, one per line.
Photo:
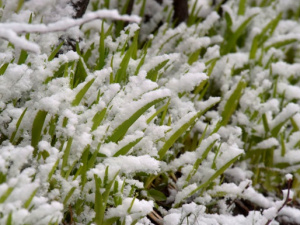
column 10, row 31
column 132, row 164
column 272, row 90
column 266, row 144
column 138, row 209
column 285, row 114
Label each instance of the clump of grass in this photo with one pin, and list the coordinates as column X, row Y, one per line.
column 179, row 125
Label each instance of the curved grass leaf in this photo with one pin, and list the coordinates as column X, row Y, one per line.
column 121, row 130
column 101, row 199
column 6, row 194
column 9, row 219
column 66, row 156
column 70, row 193
column 124, row 150
column 37, row 127
column 212, row 178
column 80, row 73
column 242, row 7
column 280, row 44
column 17, row 126
column 27, row 203
column 53, row 170
column 3, row 68
column 232, row 102
column 157, row 195
column 162, row 109
column 55, row 51
column 152, row 74
column 82, row 92
column 97, row 119
column 24, row 54
column 176, row 135
column 199, row 161
column 180, row 131
column 229, row 43
column 101, row 50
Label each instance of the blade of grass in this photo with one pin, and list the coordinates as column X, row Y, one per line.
column 9, row 219
column 24, row 54
column 211, row 179
column 229, row 43
column 29, row 200
column 82, row 92
column 6, row 194
column 97, row 119
column 124, row 150
column 17, row 126
column 232, row 102
column 152, row 74
column 280, row 44
column 54, row 52
column 80, row 73
column 68, row 196
column 37, row 127
column 162, row 109
column 101, row 50
column 121, row 130
column 242, row 7
column 3, row 68
column 66, row 157
column 176, row 134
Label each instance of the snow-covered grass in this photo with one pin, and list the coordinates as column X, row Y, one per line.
column 150, row 123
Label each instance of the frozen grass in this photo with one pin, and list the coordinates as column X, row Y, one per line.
column 150, row 123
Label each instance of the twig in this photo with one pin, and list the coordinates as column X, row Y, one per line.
column 287, row 200
column 9, row 31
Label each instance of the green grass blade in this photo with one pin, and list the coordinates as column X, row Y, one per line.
column 242, row 7
column 229, row 44
column 124, row 150
column 82, row 92
column 3, row 68
column 280, row 44
column 53, row 169
column 194, row 56
column 68, row 196
column 268, row 30
column 160, row 110
column 176, row 135
column 199, row 161
column 9, row 219
column 121, row 73
column 121, row 130
column 37, row 127
column 17, row 126
column 101, row 50
column 6, row 194
column 20, row 5
column 80, row 73
column 54, row 52
column 24, row 54
column 88, row 53
column 153, row 73
column 97, row 119
column 232, row 102
column 142, row 10
column 254, row 47
column 84, row 166
column 212, row 178
column 27, row 203
column 66, row 156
